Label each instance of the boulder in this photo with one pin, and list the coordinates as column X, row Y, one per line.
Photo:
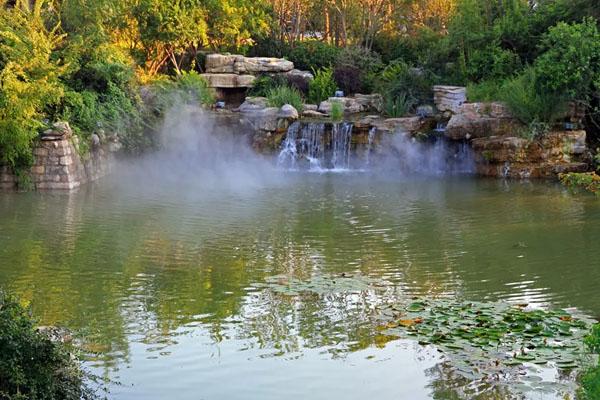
column 350, row 105
column 228, row 80
column 408, row 125
column 310, row 107
column 313, row 114
column 254, row 104
column 449, row 98
column 287, row 111
column 425, row 111
column 301, row 74
column 476, row 120
column 370, row 102
column 237, row 64
column 263, row 120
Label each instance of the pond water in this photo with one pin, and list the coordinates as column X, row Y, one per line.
column 164, row 284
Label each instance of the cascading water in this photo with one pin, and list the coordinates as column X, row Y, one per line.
column 308, row 146
column 341, row 137
column 372, row 133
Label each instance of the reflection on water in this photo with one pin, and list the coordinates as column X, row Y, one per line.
column 164, row 286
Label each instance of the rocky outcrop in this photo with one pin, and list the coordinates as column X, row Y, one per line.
column 477, row 120
column 240, row 65
column 253, row 104
column 514, row 157
column 449, row 98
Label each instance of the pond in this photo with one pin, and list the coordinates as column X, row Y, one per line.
column 164, row 284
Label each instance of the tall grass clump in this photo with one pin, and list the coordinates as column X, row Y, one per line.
column 396, row 107
column 322, row 87
column 337, row 111
column 282, row 95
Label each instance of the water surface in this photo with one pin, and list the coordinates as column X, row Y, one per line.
column 164, row 283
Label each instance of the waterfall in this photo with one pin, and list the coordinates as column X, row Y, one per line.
column 372, row 133
column 308, row 146
column 341, row 137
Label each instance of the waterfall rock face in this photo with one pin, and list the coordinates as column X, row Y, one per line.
column 513, row 157
column 229, row 81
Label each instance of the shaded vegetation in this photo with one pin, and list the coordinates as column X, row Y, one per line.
column 33, row 367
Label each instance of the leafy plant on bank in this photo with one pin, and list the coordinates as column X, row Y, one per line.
column 399, row 106
column 577, row 182
column 590, row 379
column 337, row 111
column 32, row 367
column 322, row 87
column 282, row 95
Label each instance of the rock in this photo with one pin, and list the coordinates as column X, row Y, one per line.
column 287, row 111
column 254, row 104
column 313, row 114
column 229, row 81
column 95, row 140
column 264, row 120
column 237, row 64
column 301, row 74
column 310, row 107
column 59, row 131
column 557, row 152
column 368, row 122
column 476, row 120
column 408, row 125
column 56, row 334
column 425, row 111
column 449, row 98
column 370, row 102
column 350, row 105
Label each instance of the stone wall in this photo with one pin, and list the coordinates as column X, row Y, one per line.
column 58, row 164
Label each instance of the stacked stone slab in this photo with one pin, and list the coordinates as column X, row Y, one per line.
column 449, row 98
column 225, row 71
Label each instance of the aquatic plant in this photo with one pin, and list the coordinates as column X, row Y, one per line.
column 491, row 343
column 576, row 182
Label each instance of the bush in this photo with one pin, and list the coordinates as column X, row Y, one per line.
column 399, row 106
column 528, row 104
column 31, row 366
column 589, row 182
column 299, row 83
column 313, row 55
column 571, row 61
column 590, row 379
column 264, row 83
column 492, row 62
column 282, row 95
column 355, row 69
column 485, row 91
column 195, row 88
column 322, row 87
column 399, row 79
column 337, row 111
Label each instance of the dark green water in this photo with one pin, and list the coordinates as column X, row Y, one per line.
column 163, row 284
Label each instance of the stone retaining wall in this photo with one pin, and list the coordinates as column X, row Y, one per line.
column 58, row 164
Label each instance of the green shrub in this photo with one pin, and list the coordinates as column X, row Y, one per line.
column 492, row 62
column 195, row 88
column 356, row 68
column 399, row 79
column 264, row 83
column 322, row 87
column 484, row 91
column 313, row 55
column 282, row 95
column 337, row 111
column 528, row 103
column 396, row 107
column 31, row 366
column 590, row 379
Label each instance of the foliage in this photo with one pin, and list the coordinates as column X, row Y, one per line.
column 283, row 95
column 399, row 79
column 590, row 380
column 322, row 87
column 396, row 107
column 355, row 69
column 485, row 91
column 529, row 104
column 571, row 60
column 31, row 366
column 337, row 111
column 263, row 84
column 313, row 55
column 491, row 62
column 349, row 79
column 29, row 80
column 576, row 182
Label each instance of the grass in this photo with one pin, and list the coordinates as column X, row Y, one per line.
column 282, row 95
